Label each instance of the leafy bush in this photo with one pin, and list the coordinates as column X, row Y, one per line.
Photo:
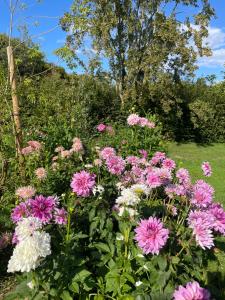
column 126, row 224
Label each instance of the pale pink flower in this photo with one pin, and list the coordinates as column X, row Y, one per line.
column 59, row 149
column 35, row 145
column 150, row 124
column 144, row 153
column 169, row 164
column 25, row 192
column 183, row 176
column 77, row 145
column 157, row 158
column 55, row 158
column 217, row 211
column 206, row 168
column 5, row 240
column 27, row 150
column 41, row 173
column 110, row 130
column 133, row 119
column 107, row 152
column 151, row 235
column 97, row 162
column 192, row 291
column 202, row 194
column 60, row 216
column 65, row 153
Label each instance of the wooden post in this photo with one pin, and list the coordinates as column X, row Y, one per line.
column 15, row 106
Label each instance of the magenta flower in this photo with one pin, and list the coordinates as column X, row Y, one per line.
column 115, row 164
column 83, row 183
column 153, row 180
column 202, row 194
column 107, row 152
column 151, row 236
column 19, row 212
column 60, row 216
column 206, row 168
column 42, row 208
column 101, row 127
column 192, row 291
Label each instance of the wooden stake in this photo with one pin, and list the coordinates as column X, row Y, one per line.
column 15, row 101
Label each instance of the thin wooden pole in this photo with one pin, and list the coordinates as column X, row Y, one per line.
column 15, row 103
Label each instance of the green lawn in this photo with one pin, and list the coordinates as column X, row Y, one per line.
column 191, row 156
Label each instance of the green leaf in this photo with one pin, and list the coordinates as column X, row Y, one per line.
column 74, row 287
column 81, row 276
column 66, row 296
column 103, row 247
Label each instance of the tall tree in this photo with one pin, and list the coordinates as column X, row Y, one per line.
column 140, row 38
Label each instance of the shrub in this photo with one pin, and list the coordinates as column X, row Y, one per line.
column 125, row 223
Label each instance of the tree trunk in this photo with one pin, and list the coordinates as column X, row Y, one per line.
column 15, row 105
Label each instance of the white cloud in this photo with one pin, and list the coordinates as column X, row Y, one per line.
column 61, row 41
column 217, row 59
column 216, row 38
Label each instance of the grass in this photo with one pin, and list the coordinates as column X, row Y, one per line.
column 191, row 156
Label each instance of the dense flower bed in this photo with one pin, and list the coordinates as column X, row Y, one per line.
column 129, row 225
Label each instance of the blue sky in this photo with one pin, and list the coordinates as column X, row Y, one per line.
column 43, row 17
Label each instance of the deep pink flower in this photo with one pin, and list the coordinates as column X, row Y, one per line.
column 202, row 194
column 107, row 152
column 19, row 212
column 133, row 119
column 42, row 208
column 151, row 236
column 153, row 180
column 101, row 127
column 115, row 164
column 83, row 183
column 192, row 291
column 60, row 216
column 206, row 168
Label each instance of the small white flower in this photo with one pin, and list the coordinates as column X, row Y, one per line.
column 138, row 283
column 128, row 198
column 31, row 285
column 89, row 166
column 120, row 237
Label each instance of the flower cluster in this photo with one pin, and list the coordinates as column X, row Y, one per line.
column 45, row 209
column 134, row 119
column 33, row 244
column 33, row 146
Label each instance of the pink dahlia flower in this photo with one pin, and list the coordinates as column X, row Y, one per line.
column 169, row 164
column 25, row 192
column 77, row 145
column 133, row 119
column 83, row 183
column 35, row 145
column 42, row 208
column 158, row 157
column 19, row 212
column 115, row 164
column 192, row 291
column 27, row 150
column 101, row 127
column 153, row 180
column 151, row 236
column 107, row 152
column 183, row 176
column 202, row 194
column 206, row 168
column 60, row 216
column 217, row 211
column 41, row 173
